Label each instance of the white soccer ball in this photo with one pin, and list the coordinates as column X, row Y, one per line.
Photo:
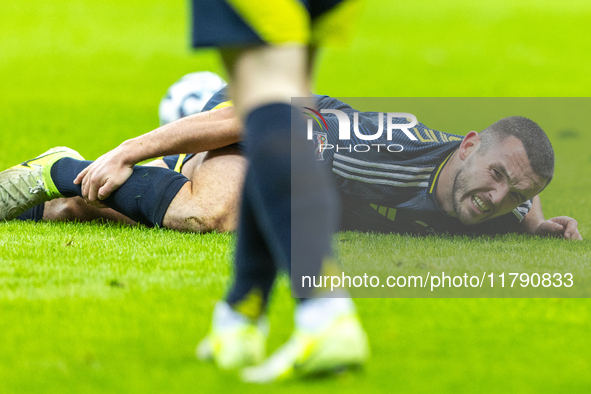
column 188, row 95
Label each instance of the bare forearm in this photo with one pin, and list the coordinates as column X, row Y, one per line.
column 192, row 134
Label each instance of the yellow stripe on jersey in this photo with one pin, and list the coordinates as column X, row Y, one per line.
column 439, row 170
column 179, row 163
column 225, row 104
column 421, row 138
column 276, row 21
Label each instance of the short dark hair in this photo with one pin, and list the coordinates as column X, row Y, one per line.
column 535, row 141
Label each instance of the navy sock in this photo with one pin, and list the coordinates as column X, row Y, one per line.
column 35, row 213
column 144, row 197
column 282, row 183
column 254, row 268
column 315, row 210
column 63, row 173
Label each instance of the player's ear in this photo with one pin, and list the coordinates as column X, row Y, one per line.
column 468, row 145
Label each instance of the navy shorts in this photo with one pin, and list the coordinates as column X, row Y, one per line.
column 238, row 23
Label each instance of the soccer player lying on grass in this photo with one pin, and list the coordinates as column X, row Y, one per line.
column 199, row 192
column 483, row 183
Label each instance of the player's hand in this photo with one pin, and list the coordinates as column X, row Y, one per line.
column 103, row 177
column 561, row 226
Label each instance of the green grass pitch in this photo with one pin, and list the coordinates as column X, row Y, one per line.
column 89, row 308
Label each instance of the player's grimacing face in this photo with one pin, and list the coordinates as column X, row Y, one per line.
column 493, row 182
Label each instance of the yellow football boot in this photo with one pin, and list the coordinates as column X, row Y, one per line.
column 234, row 340
column 28, row 184
column 340, row 345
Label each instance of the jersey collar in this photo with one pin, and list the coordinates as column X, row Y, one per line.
column 433, row 185
column 431, row 200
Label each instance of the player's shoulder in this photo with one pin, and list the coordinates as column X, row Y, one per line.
column 219, row 97
column 327, row 102
column 423, row 142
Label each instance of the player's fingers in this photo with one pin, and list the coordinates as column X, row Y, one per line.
column 89, row 174
column 81, row 176
column 571, row 226
column 106, row 190
column 93, row 186
column 571, row 232
column 574, row 236
column 550, row 228
column 84, row 187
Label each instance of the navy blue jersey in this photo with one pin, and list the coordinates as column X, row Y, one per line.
column 215, row 100
column 388, row 185
column 221, row 96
